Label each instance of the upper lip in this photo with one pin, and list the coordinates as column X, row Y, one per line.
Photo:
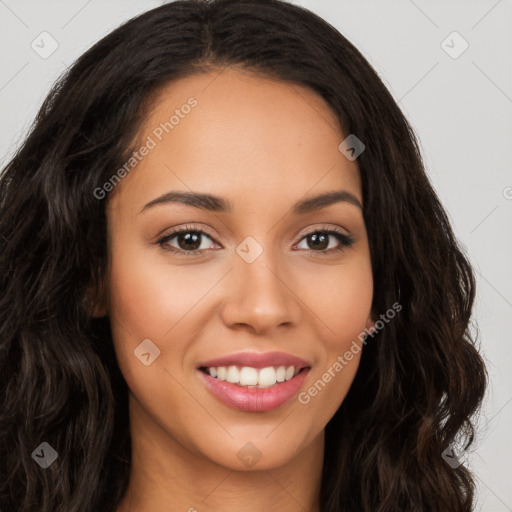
column 256, row 360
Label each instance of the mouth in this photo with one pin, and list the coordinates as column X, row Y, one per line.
column 254, row 382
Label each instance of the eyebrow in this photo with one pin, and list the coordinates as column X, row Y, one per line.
column 212, row 203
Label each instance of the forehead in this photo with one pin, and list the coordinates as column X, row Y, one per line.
column 239, row 134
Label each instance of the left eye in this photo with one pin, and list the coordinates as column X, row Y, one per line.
column 319, row 241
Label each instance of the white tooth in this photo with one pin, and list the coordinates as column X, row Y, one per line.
column 233, row 375
column 280, row 374
column 289, row 372
column 267, row 376
column 248, row 376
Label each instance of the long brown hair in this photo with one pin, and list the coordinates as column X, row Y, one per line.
column 420, row 379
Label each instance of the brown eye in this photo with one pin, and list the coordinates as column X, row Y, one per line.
column 321, row 241
column 185, row 241
column 189, row 241
column 318, row 241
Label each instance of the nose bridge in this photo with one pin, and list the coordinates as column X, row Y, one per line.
column 258, row 295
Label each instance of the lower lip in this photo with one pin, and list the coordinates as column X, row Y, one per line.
column 254, row 399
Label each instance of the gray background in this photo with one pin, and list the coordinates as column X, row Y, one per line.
column 461, row 109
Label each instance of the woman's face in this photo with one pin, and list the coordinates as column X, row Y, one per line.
column 269, row 274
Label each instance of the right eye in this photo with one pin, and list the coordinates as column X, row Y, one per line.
column 185, row 240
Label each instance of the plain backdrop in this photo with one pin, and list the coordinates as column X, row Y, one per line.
column 458, row 99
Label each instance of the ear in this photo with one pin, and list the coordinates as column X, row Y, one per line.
column 370, row 323
column 98, row 310
column 95, row 301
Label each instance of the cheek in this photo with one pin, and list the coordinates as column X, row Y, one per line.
column 150, row 298
column 341, row 298
column 350, row 304
column 342, row 303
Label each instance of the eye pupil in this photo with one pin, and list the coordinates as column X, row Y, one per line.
column 318, row 241
column 189, row 240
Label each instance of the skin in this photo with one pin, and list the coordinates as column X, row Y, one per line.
column 263, row 145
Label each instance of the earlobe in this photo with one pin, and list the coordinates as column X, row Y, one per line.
column 95, row 303
column 370, row 324
column 99, row 311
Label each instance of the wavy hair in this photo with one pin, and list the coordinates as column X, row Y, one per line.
column 421, row 379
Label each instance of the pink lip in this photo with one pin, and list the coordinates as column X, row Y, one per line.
column 255, row 360
column 254, row 399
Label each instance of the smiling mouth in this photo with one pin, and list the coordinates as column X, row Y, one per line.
column 249, row 377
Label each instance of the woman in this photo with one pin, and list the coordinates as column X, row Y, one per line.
column 227, row 282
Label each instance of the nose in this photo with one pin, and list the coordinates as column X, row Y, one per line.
column 259, row 297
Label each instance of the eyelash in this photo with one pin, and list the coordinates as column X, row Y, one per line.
column 345, row 240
